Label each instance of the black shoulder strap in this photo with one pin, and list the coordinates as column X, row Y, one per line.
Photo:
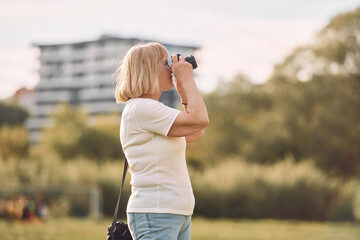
column 112, row 228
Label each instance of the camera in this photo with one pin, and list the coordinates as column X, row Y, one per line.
column 190, row 60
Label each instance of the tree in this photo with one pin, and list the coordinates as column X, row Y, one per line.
column 102, row 140
column 233, row 109
column 336, row 52
column 71, row 136
column 11, row 114
column 14, row 142
column 62, row 138
column 309, row 108
column 317, row 90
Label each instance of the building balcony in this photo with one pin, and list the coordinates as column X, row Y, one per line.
column 93, row 94
column 60, row 83
column 95, row 108
column 53, row 96
column 44, row 110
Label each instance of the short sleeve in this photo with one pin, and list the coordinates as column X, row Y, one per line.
column 154, row 116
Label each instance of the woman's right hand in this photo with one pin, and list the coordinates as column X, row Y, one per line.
column 181, row 69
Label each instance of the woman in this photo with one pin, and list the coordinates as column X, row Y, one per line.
column 154, row 137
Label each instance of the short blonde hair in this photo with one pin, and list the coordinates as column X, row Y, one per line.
column 139, row 71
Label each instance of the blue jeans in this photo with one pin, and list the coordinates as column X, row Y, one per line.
column 159, row 226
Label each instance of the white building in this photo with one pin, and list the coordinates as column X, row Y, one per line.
column 81, row 74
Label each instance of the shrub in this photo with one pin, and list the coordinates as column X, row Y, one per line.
column 232, row 189
column 53, row 179
column 285, row 190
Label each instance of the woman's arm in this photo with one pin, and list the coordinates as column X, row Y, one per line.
column 195, row 136
column 195, row 117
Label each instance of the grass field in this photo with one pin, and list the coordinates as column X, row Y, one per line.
column 89, row 229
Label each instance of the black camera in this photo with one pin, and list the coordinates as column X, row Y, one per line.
column 190, row 60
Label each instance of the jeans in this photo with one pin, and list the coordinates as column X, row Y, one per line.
column 159, row 226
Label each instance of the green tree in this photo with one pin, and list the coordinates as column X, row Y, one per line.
column 62, row 138
column 102, row 140
column 233, row 109
column 71, row 136
column 11, row 114
column 316, row 89
column 14, row 142
column 309, row 108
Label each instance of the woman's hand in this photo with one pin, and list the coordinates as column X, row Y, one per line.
column 181, row 69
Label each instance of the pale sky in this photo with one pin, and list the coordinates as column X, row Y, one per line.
column 235, row 35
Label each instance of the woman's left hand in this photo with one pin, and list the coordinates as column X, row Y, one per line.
column 181, row 69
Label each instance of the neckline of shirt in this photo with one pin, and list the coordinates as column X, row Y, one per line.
column 138, row 98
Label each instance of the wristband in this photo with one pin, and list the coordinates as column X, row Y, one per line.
column 184, row 104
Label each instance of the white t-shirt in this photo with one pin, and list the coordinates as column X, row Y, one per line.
column 159, row 176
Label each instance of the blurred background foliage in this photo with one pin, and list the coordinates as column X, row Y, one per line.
column 287, row 149
column 310, row 107
column 13, row 135
column 72, row 136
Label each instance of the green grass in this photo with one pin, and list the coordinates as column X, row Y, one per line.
column 221, row 229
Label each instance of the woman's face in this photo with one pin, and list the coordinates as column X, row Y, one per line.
column 165, row 77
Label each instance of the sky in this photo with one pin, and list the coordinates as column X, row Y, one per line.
column 235, row 36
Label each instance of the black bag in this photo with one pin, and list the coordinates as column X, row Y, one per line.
column 119, row 230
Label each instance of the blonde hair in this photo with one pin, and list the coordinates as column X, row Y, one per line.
column 139, row 71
